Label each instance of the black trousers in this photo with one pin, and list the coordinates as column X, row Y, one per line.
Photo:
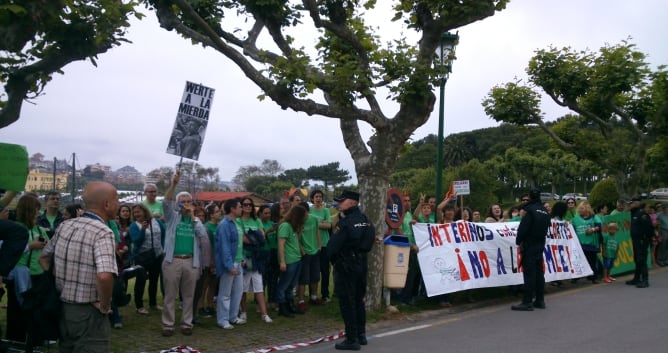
column 640, row 252
column 534, row 278
column 413, row 279
column 325, row 270
column 350, row 287
column 152, row 272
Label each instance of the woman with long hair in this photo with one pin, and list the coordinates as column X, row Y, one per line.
column 27, row 270
column 494, row 214
column 146, row 235
column 289, row 258
column 247, row 223
column 124, row 218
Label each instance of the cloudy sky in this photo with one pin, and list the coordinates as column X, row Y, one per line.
column 122, row 112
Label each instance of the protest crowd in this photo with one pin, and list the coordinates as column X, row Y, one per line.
column 210, row 259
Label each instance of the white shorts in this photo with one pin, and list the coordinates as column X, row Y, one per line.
column 253, row 282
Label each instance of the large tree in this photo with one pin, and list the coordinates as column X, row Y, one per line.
column 344, row 78
column 39, row 37
column 619, row 101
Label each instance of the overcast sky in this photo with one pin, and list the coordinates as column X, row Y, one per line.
column 122, row 112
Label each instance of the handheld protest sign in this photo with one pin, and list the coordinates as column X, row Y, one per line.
column 13, row 167
column 191, row 121
column 394, row 211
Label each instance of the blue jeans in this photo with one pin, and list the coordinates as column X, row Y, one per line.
column 230, row 289
column 287, row 281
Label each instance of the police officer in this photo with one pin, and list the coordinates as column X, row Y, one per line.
column 642, row 232
column 347, row 248
column 531, row 240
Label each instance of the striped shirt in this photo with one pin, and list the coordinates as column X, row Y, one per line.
column 83, row 247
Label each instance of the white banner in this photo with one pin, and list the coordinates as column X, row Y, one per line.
column 465, row 255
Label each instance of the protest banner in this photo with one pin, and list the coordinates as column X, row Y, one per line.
column 191, row 121
column 13, row 167
column 465, row 255
column 461, row 187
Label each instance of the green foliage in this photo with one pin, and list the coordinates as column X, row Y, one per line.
column 513, row 103
column 38, row 38
column 330, row 174
column 604, row 192
column 616, row 96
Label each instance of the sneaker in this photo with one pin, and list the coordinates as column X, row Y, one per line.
column 204, row 313
column 243, row 317
column 326, row 299
column 607, row 280
column 301, row 307
column 226, row 326
column 167, row 332
column 156, row 307
column 267, row 319
column 522, row 307
column 612, row 278
column 118, row 325
column 142, row 311
column 186, row 331
column 238, row 321
column 315, row 301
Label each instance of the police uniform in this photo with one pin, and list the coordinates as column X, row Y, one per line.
column 642, row 232
column 531, row 240
column 349, row 259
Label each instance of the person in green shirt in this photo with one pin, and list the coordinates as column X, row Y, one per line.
column 610, row 247
column 324, row 216
column 588, row 229
column 289, row 258
column 27, row 269
column 252, row 268
column 310, row 273
column 571, row 212
column 154, row 205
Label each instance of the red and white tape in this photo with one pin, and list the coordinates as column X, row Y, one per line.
column 300, row 345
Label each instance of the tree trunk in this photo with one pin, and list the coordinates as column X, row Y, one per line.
column 372, row 202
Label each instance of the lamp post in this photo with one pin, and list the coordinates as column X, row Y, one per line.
column 445, row 55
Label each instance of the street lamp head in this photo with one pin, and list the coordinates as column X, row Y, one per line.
column 445, row 52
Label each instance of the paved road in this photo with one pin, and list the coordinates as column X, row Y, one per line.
column 602, row 318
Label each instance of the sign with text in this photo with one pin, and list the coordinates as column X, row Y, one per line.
column 465, row 255
column 191, row 121
column 461, row 187
column 13, row 167
column 394, row 211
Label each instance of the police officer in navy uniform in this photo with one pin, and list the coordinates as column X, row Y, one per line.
column 347, row 250
column 531, row 240
column 642, row 232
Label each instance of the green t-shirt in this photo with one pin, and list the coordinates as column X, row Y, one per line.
column 211, row 231
column 34, row 267
column 407, row 228
column 323, row 214
column 291, row 248
column 580, row 225
column 310, row 235
column 155, row 208
column 432, row 218
column 272, row 241
column 610, row 246
column 185, row 233
column 570, row 214
column 114, row 228
column 243, row 225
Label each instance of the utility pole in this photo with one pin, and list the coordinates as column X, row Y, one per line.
column 54, row 174
column 74, row 176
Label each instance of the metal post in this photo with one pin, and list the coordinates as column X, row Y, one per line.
column 439, row 151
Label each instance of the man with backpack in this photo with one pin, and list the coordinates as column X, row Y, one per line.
column 353, row 238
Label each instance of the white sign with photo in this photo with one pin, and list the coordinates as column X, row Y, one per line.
column 191, row 121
